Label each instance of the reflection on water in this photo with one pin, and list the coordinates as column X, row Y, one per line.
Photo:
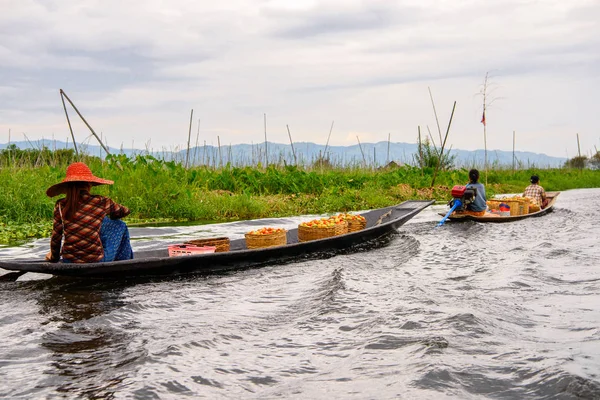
column 466, row 310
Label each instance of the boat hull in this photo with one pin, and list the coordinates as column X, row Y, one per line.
column 380, row 224
column 501, row 219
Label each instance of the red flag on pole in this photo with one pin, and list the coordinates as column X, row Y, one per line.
column 483, row 118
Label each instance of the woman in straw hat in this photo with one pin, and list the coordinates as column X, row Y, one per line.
column 88, row 226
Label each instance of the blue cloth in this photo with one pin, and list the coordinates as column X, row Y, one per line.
column 115, row 241
column 479, row 204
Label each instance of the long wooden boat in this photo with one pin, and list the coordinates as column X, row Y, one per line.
column 380, row 223
column 489, row 217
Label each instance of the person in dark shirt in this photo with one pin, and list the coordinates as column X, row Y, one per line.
column 87, row 228
column 479, row 205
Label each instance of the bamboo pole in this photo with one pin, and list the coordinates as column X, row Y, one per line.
column 187, row 153
column 443, row 145
column 483, row 120
column 329, row 136
column 85, row 122
column 388, row 150
column 435, row 150
column 292, row 144
column 435, row 114
column 374, row 157
column 196, row 146
column 68, row 121
column 362, row 152
column 578, row 148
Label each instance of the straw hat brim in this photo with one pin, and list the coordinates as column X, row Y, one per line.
column 61, row 188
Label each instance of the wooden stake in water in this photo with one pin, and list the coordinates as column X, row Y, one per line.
column 187, row 153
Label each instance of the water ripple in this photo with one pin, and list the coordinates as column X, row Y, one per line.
column 468, row 310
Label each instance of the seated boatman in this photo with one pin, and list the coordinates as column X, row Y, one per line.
column 478, row 206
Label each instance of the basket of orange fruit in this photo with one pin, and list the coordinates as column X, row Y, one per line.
column 355, row 222
column 266, row 237
column 322, row 228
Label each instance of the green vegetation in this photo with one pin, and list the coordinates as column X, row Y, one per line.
column 160, row 191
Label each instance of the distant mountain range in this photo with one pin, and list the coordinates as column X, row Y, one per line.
column 377, row 154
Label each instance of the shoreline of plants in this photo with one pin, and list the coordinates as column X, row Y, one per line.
column 158, row 191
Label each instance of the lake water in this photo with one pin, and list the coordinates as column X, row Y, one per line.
column 466, row 311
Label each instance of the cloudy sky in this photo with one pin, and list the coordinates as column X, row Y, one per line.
column 135, row 69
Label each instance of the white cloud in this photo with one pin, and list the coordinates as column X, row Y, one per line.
column 136, row 69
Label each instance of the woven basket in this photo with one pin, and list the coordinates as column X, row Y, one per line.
column 534, row 208
column 254, row 241
column 307, row 233
column 517, row 207
column 494, row 204
column 221, row 243
column 356, row 225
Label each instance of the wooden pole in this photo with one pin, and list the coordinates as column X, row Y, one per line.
column 435, row 150
column 292, row 144
column 85, row 122
column 187, row 153
column 388, row 149
column 578, row 148
column 440, row 158
column 374, row 157
column 68, row 121
column 196, row 146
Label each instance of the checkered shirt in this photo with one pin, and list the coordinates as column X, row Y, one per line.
column 81, row 232
column 535, row 192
